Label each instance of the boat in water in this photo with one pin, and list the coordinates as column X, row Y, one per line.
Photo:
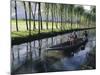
column 67, row 47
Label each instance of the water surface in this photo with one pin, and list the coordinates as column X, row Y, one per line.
column 32, row 57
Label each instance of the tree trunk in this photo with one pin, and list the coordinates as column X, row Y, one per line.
column 16, row 17
column 25, row 15
column 29, row 19
column 34, row 27
column 56, row 17
column 52, row 16
column 61, row 17
column 39, row 18
column 71, row 18
column 33, row 15
column 47, row 13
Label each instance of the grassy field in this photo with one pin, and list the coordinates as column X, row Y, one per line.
column 22, row 25
column 23, row 31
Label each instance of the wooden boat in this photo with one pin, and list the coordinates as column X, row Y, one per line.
column 65, row 46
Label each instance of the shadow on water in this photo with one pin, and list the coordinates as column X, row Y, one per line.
column 32, row 57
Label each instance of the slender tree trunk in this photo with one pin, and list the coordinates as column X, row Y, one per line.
column 61, row 16
column 47, row 13
column 25, row 15
column 41, row 18
column 39, row 22
column 64, row 18
column 56, row 18
column 33, row 15
column 67, row 18
column 80, row 20
column 52, row 16
column 34, row 27
column 76, row 21
column 71, row 18
column 29, row 19
column 16, row 16
column 91, row 22
column 87, row 23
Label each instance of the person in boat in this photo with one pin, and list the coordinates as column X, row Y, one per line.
column 74, row 35
column 85, row 34
column 68, row 40
column 72, row 38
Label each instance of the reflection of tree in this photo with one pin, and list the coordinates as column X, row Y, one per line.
column 12, row 51
column 18, row 54
column 27, row 51
column 52, row 41
column 47, row 43
column 40, row 48
column 29, row 56
column 35, row 50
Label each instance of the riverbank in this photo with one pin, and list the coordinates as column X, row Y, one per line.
column 35, row 36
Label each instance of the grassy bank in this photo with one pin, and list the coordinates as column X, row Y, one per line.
column 23, row 30
column 24, row 36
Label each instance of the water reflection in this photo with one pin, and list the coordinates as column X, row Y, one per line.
column 33, row 57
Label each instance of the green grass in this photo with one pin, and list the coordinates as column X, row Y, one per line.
column 23, row 32
column 26, row 33
column 22, row 25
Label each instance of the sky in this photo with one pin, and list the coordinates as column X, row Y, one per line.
column 87, row 7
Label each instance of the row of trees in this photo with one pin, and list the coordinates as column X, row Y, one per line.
column 63, row 14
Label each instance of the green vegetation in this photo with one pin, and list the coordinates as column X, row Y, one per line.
column 22, row 25
column 23, row 32
column 22, row 28
column 48, row 18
